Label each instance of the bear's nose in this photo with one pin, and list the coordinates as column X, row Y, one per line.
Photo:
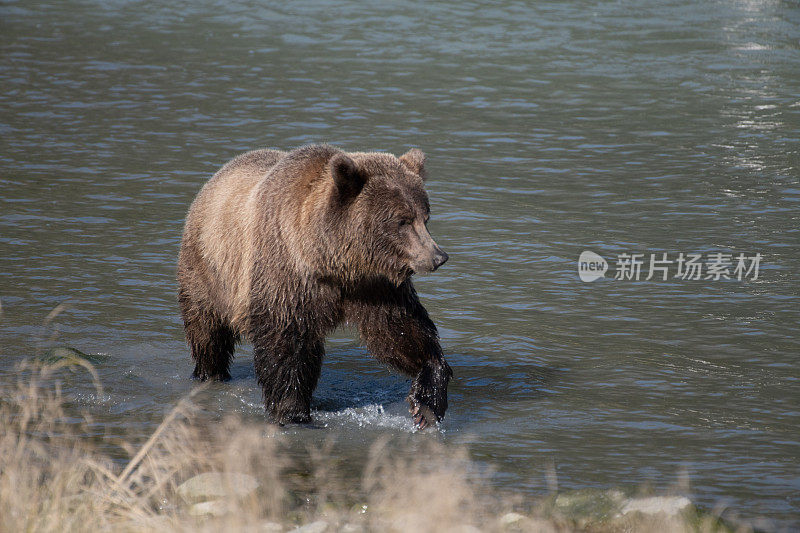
column 439, row 258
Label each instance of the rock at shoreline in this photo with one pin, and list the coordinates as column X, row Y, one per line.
column 320, row 526
column 510, row 519
column 669, row 505
column 611, row 509
column 520, row 522
column 216, row 486
column 210, row 508
column 67, row 353
column 589, row 505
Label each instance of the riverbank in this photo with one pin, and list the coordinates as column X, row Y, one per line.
column 192, row 475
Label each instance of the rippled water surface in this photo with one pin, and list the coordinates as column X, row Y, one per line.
column 550, row 128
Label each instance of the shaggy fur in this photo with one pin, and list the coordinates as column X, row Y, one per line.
column 282, row 247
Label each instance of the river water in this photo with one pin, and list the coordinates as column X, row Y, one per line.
column 550, row 128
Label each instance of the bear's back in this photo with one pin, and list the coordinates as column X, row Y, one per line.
column 220, row 228
column 221, row 203
column 239, row 175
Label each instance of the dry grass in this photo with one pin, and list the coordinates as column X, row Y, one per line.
column 53, row 479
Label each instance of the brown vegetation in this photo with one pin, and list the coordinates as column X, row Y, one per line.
column 53, row 478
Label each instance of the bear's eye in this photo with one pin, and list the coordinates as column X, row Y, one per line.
column 404, row 222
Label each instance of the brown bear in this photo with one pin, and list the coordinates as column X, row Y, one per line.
column 282, row 247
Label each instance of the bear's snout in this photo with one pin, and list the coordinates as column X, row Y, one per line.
column 428, row 260
column 440, row 257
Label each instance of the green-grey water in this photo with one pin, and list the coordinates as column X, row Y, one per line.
column 550, row 128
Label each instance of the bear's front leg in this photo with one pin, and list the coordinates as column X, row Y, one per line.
column 398, row 331
column 288, row 368
column 427, row 398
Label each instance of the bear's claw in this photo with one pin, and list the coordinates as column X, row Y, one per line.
column 422, row 414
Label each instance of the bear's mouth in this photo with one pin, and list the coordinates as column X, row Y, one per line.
column 403, row 275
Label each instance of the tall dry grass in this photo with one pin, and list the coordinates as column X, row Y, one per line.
column 53, row 478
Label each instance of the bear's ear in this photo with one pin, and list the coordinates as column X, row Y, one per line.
column 348, row 179
column 414, row 159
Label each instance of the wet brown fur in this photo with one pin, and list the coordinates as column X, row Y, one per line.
column 282, row 247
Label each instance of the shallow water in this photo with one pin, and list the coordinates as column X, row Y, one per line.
column 551, row 128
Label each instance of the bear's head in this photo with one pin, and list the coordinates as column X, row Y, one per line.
column 380, row 204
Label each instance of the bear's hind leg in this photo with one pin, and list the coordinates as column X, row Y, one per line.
column 288, row 369
column 212, row 342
